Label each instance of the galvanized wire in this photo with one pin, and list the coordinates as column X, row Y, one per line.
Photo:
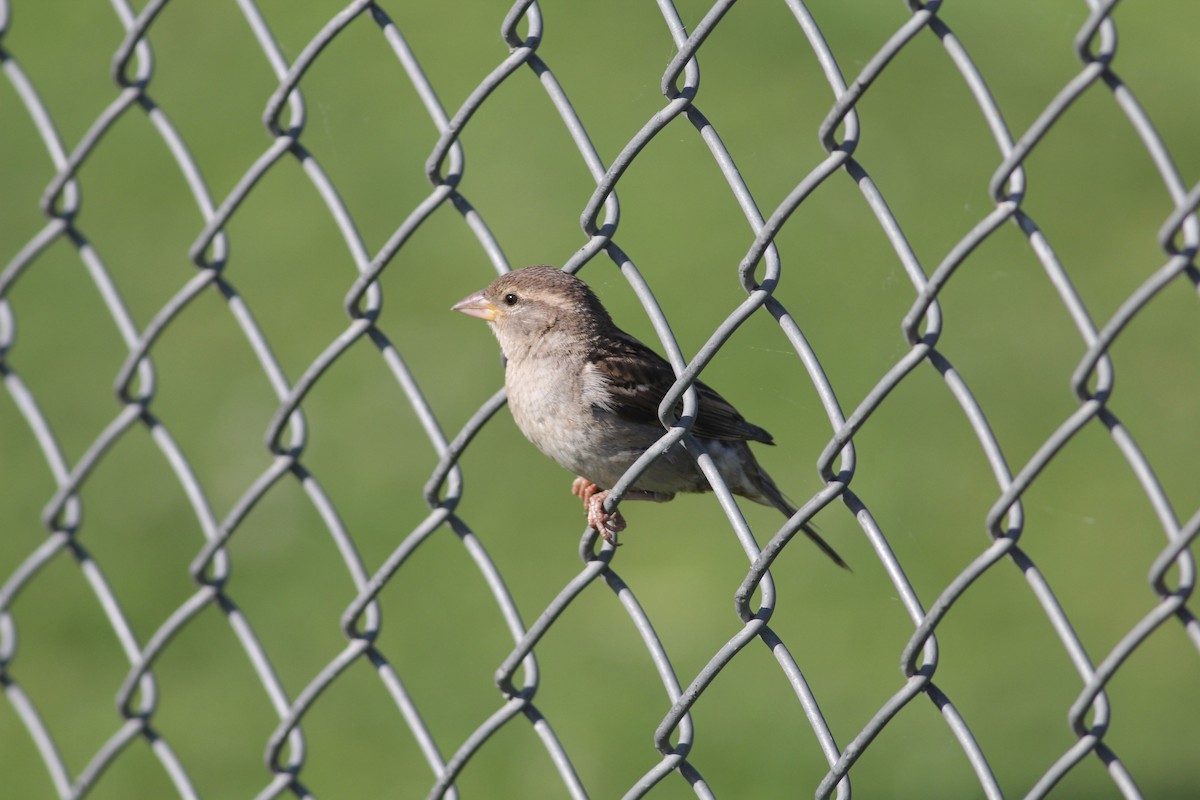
column 1171, row 576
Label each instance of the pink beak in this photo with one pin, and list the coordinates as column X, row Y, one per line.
column 476, row 305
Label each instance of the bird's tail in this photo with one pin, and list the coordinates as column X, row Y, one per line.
column 811, row 531
column 772, row 496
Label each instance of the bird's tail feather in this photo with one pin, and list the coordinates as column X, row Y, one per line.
column 774, row 497
column 810, row 531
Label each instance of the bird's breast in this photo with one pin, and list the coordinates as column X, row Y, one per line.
column 558, row 403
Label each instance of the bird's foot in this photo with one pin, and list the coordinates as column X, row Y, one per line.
column 593, row 497
column 608, row 525
column 583, row 489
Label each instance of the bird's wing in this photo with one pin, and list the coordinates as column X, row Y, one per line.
column 638, row 379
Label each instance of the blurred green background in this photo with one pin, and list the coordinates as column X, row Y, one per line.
column 1089, row 527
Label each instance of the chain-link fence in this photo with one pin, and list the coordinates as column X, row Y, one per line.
column 917, row 242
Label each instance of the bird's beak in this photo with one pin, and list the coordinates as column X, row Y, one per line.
column 477, row 306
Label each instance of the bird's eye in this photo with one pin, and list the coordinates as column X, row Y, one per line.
column 510, row 299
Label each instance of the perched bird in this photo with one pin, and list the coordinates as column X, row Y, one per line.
column 587, row 394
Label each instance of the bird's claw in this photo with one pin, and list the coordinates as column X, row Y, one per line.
column 606, row 524
column 593, row 497
column 583, row 489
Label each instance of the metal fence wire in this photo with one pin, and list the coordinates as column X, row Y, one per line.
column 231, row 597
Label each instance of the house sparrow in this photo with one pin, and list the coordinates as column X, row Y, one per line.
column 587, row 394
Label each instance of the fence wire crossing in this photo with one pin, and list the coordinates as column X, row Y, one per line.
column 213, row 589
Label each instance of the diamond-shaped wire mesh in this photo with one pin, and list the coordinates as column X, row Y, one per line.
column 918, row 242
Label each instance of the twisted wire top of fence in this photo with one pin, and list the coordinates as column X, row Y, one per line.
column 258, row 485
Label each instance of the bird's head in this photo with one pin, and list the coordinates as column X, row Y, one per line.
column 526, row 306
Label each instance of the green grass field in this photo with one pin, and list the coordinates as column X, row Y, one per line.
column 1091, row 187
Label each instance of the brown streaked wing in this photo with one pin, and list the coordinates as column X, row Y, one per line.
column 638, row 377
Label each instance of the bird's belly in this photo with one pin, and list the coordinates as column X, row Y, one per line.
column 561, row 419
column 577, row 440
column 551, row 413
column 590, row 443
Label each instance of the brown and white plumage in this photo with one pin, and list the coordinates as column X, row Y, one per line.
column 587, row 394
